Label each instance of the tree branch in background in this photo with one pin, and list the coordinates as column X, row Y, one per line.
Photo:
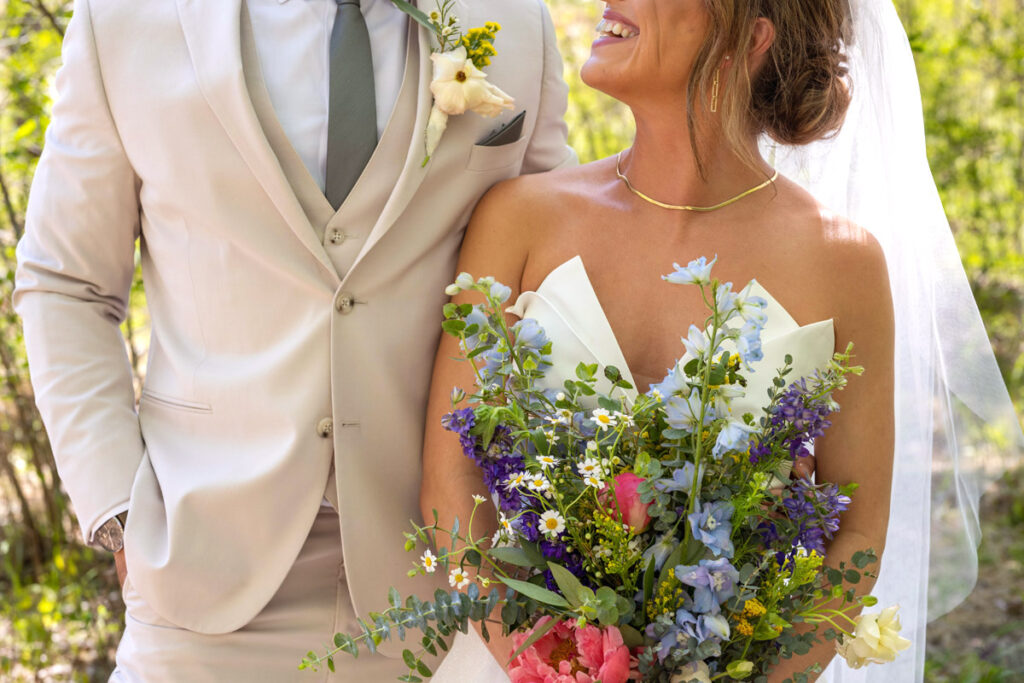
column 38, row 4
column 12, row 215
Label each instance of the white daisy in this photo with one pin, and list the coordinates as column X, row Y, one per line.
column 657, row 395
column 591, row 445
column 623, row 418
column 459, row 579
column 591, row 480
column 589, row 467
column 538, row 483
column 429, row 561
column 603, row 419
column 478, row 498
column 552, row 523
column 515, row 481
column 504, row 523
column 546, row 461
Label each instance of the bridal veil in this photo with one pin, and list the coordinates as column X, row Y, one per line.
column 956, row 427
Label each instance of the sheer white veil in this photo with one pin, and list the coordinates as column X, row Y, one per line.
column 955, row 424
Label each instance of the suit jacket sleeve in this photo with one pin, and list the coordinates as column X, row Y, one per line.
column 548, row 147
column 75, row 267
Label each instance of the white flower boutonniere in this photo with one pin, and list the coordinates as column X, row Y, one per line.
column 459, row 83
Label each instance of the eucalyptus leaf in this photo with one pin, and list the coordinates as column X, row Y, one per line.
column 417, row 14
column 574, row 591
column 536, row 592
column 515, row 556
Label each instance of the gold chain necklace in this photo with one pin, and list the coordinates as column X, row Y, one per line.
column 673, row 207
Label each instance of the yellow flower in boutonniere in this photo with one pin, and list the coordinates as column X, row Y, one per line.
column 459, row 83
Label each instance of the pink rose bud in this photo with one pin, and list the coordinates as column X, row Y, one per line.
column 627, row 499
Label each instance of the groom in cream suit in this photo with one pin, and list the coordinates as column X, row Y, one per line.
column 265, row 478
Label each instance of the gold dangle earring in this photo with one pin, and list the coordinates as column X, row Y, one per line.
column 714, row 92
column 715, row 87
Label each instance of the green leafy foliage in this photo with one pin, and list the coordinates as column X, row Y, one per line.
column 58, row 601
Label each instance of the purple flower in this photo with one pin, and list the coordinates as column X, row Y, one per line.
column 815, row 509
column 713, row 581
column 712, row 526
column 461, row 422
column 498, row 462
column 795, row 421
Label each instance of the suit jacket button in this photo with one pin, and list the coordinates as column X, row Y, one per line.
column 325, row 428
column 337, row 236
column 344, row 303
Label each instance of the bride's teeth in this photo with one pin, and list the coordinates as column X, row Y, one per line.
column 615, row 29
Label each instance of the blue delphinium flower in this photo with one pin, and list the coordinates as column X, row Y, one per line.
column 712, row 526
column 753, row 309
column 682, row 479
column 529, row 334
column 734, row 438
column 476, row 318
column 493, row 361
column 500, row 292
column 726, row 300
column 748, row 344
column 674, row 384
column 687, row 625
column 714, row 582
column 697, row 272
column 660, row 550
column 684, row 413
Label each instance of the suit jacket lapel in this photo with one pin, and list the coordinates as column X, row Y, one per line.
column 213, row 34
column 413, row 171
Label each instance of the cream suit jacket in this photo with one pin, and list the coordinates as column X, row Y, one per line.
column 265, row 361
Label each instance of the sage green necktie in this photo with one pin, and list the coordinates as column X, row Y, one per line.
column 352, row 113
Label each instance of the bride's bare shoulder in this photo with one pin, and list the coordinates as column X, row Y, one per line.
column 844, row 263
column 534, row 196
column 515, row 216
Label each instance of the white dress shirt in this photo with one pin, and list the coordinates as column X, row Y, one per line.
column 293, row 39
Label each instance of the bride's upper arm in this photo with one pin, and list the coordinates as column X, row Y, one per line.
column 860, row 445
column 496, row 244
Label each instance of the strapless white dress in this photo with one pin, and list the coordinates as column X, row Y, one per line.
column 568, row 309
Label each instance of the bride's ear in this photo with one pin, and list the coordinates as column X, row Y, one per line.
column 761, row 39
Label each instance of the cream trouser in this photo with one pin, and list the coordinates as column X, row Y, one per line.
column 309, row 608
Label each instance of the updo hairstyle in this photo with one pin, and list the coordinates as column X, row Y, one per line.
column 801, row 93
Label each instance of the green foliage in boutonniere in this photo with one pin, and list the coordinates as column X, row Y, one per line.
column 459, row 83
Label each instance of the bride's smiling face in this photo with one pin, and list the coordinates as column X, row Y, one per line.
column 645, row 47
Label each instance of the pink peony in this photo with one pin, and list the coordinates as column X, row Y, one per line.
column 567, row 654
column 627, row 500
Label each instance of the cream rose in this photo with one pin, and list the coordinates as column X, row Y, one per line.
column 876, row 639
column 459, row 86
column 694, row 672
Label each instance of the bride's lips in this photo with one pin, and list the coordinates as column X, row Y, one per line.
column 615, row 27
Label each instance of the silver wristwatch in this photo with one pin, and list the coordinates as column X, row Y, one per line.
column 110, row 536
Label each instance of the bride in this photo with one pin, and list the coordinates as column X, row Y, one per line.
column 584, row 250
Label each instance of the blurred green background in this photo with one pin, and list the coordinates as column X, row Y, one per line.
column 60, row 610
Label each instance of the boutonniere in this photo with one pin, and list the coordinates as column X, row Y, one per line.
column 459, row 83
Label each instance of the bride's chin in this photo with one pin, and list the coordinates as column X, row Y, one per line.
column 598, row 76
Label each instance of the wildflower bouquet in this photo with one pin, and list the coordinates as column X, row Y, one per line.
column 653, row 537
